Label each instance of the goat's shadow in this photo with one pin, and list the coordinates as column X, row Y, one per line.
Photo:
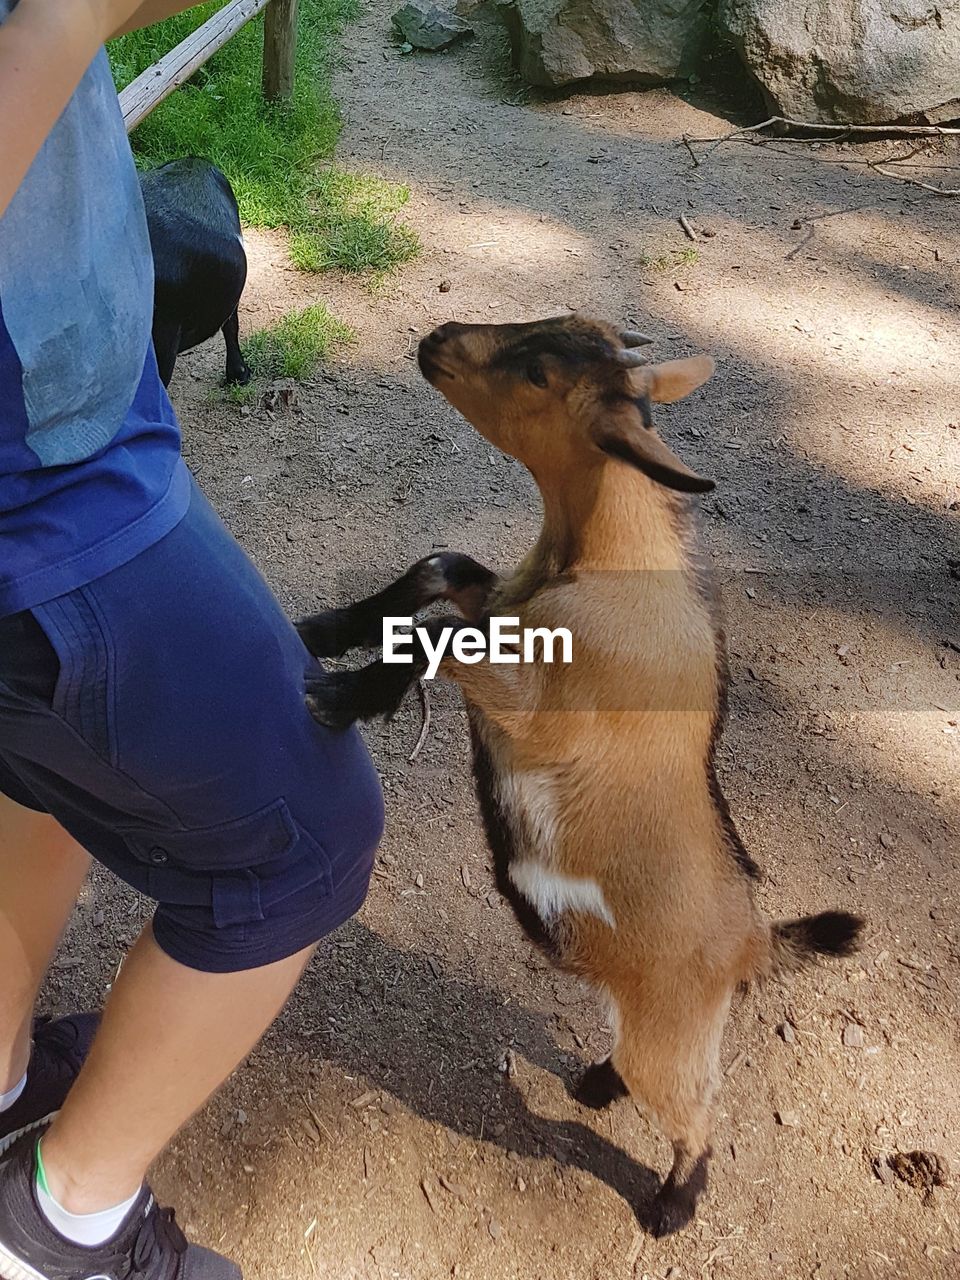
column 440, row 1056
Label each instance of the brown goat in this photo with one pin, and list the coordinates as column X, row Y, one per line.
column 610, row 834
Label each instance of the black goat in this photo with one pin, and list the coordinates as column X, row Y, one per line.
column 200, row 265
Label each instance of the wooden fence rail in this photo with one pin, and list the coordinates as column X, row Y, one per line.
column 150, row 88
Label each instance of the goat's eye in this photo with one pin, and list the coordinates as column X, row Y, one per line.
column 536, row 374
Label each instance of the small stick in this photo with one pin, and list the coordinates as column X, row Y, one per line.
column 321, row 1127
column 693, row 155
column 901, row 159
column 844, row 130
column 915, row 182
column 736, row 1063
column 425, row 729
column 907, row 130
column 427, row 1188
column 688, row 230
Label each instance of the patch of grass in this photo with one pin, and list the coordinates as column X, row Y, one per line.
column 270, row 152
column 354, row 226
column 688, row 257
column 236, row 393
column 266, row 151
column 295, row 345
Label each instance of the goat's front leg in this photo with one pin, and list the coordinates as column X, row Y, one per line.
column 338, row 698
column 448, row 575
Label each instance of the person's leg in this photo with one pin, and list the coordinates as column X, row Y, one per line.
column 252, row 827
column 169, row 1036
column 41, row 872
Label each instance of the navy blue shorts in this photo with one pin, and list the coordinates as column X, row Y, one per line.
column 157, row 713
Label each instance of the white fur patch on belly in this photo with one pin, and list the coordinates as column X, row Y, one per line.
column 551, row 893
column 529, row 796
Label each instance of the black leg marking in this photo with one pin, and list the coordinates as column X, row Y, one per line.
column 676, row 1203
column 600, row 1085
column 338, row 698
column 238, row 371
column 447, row 575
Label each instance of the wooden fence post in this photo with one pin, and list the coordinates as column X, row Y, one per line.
column 154, row 84
column 279, row 48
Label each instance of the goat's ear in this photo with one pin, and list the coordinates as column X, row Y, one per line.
column 630, row 441
column 631, row 437
column 664, row 383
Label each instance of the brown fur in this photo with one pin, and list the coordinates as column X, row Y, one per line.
column 602, row 770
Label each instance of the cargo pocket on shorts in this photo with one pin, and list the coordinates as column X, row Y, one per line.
column 238, row 870
column 83, row 691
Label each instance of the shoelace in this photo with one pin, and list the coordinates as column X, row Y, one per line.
column 160, row 1246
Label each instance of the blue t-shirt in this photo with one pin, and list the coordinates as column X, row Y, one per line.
column 90, row 467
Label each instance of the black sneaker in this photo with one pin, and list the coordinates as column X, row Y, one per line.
column 148, row 1246
column 59, row 1048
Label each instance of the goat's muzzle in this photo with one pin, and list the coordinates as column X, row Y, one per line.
column 435, row 354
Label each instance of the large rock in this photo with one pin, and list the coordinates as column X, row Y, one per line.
column 854, row 61
column 645, row 41
column 427, row 26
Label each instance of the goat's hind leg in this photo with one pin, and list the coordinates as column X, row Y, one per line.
column 687, row 1122
column 676, row 1202
column 668, row 1058
column 237, row 370
column 336, row 699
column 448, row 575
column 166, row 346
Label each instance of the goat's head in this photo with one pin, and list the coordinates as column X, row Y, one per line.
column 566, row 393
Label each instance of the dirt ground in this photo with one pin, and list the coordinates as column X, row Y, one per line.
column 375, row 1133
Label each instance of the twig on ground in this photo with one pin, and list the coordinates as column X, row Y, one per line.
column 688, row 231
column 737, row 1062
column 321, row 1127
column 780, row 137
column 913, row 182
column 846, row 161
column 843, row 130
column 693, row 155
column 426, row 1186
column 914, row 151
column 425, row 729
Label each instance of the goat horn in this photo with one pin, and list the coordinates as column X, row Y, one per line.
column 631, row 359
column 633, row 338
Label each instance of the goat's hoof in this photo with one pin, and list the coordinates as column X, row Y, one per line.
column 599, row 1086
column 673, row 1209
column 329, row 698
column 238, row 377
column 327, row 714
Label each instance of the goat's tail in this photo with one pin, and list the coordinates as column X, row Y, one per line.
column 794, row 943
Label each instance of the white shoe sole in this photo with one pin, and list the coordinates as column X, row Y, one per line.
column 12, row 1268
